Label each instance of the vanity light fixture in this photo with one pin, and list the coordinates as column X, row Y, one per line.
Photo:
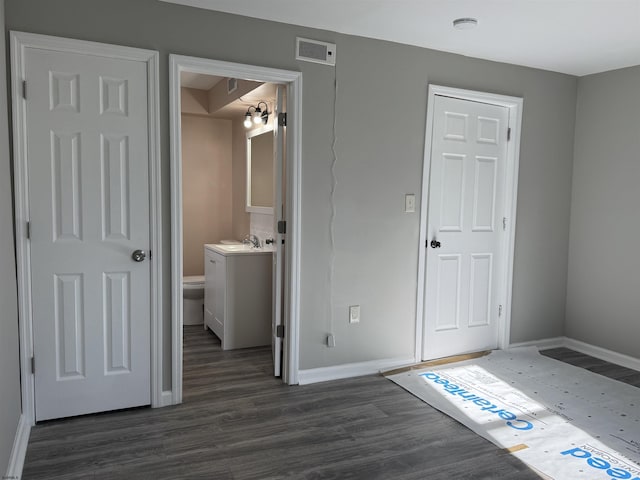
column 465, row 23
column 257, row 116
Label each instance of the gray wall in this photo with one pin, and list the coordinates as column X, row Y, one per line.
column 381, row 111
column 9, row 355
column 603, row 301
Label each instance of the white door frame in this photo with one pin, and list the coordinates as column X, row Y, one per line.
column 19, row 42
column 291, row 307
column 514, row 107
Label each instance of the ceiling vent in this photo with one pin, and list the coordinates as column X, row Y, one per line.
column 315, row 51
column 232, row 85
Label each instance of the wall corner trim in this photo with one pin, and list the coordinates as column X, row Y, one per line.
column 19, row 450
column 351, row 370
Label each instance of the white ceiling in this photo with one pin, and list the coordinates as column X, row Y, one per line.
column 578, row 37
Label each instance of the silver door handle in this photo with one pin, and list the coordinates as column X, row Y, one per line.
column 139, row 255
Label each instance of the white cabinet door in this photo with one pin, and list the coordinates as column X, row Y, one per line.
column 219, row 297
column 88, row 181
column 209, row 281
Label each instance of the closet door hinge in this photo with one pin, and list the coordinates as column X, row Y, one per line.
column 280, row 331
column 508, row 134
column 33, row 365
column 24, row 89
column 28, row 230
column 282, row 119
column 499, row 310
column 282, row 226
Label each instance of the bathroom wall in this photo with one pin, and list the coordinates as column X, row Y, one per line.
column 194, row 101
column 206, row 187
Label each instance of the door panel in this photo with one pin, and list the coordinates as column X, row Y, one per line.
column 278, row 255
column 88, row 181
column 466, row 187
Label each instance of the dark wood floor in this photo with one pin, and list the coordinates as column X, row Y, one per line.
column 238, row 422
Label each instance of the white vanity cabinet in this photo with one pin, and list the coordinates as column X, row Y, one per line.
column 237, row 295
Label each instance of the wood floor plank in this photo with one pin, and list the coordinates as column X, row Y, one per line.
column 237, row 422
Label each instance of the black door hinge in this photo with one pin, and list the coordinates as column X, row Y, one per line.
column 282, row 226
column 280, row 331
column 33, row 365
column 508, row 134
column 24, row 89
column 282, row 119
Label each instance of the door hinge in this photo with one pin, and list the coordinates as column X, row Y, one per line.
column 33, row 365
column 504, row 223
column 499, row 310
column 280, row 331
column 24, row 89
column 508, row 134
column 28, row 230
column 282, row 119
column 150, row 254
column 282, row 226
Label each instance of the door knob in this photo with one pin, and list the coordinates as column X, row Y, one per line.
column 435, row 243
column 269, row 241
column 138, row 255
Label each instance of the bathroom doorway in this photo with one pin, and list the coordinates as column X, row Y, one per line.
column 231, row 126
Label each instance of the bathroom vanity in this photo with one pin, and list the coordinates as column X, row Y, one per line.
column 237, row 294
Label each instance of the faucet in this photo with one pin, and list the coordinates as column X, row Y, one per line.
column 251, row 240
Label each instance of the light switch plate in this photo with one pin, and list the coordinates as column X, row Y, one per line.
column 354, row 314
column 409, row 203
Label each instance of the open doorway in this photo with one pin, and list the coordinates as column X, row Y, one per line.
column 230, row 128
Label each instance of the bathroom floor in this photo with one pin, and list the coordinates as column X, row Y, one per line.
column 239, row 422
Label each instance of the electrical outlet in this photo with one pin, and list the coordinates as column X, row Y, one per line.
column 409, row 203
column 354, row 314
column 331, row 341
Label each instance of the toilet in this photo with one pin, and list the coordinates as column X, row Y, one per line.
column 193, row 300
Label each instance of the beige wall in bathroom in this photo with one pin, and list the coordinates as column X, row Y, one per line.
column 194, row 101
column 206, row 187
column 241, row 219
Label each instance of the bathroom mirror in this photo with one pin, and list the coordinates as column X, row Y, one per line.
column 260, row 170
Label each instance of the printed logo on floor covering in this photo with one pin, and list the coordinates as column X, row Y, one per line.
column 510, row 418
column 613, row 467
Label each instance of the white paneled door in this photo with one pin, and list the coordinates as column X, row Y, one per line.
column 277, row 326
column 465, row 227
column 87, row 151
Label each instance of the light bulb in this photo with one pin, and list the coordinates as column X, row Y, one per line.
column 247, row 119
column 257, row 116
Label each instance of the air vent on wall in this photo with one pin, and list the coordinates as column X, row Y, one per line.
column 232, row 85
column 315, row 51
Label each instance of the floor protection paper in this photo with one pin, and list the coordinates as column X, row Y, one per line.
column 563, row 421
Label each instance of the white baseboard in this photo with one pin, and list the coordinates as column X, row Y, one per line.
column 543, row 344
column 582, row 347
column 603, row 354
column 350, row 370
column 19, row 450
column 166, row 398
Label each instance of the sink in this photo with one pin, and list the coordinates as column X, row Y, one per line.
column 235, row 248
column 238, row 249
